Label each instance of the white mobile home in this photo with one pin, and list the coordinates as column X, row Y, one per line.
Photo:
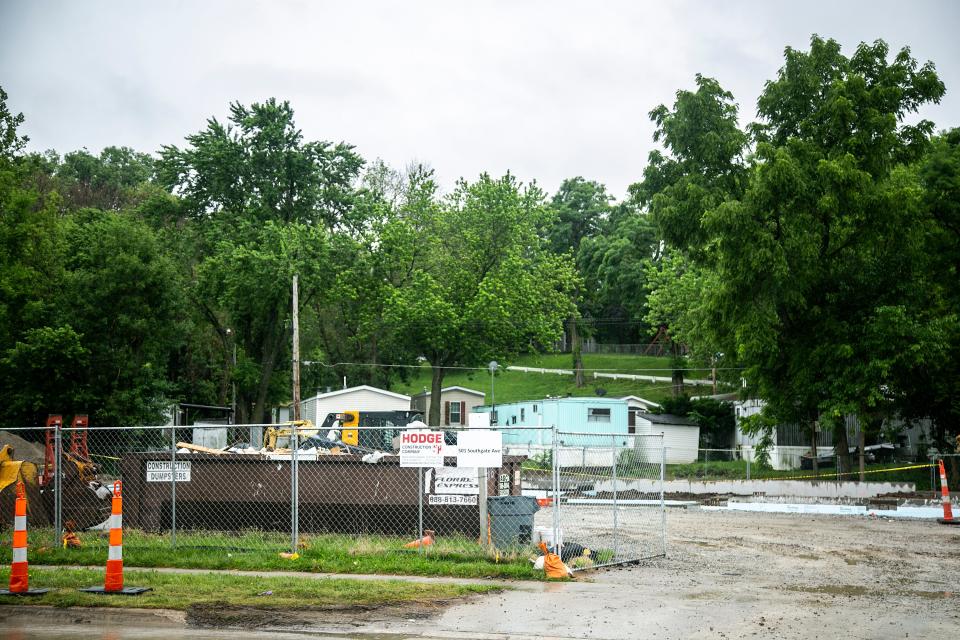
column 362, row 398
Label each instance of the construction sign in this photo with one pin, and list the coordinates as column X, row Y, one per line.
column 421, row 448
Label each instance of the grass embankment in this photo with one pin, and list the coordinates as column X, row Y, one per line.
column 515, row 386
column 327, row 553
column 182, row 591
column 737, row 470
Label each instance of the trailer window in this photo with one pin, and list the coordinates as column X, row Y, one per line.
column 598, row 415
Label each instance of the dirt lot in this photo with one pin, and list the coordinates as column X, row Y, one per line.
column 744, row 575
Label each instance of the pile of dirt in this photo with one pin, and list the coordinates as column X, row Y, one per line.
column 22, row 449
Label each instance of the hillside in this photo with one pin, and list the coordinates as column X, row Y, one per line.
column 512, row 386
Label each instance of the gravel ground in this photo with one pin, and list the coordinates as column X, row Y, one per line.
column 748, row 575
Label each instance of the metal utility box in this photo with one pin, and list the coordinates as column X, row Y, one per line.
column 337, row 494
column 511, row 520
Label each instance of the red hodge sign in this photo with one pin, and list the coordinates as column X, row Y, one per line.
column 421, row 438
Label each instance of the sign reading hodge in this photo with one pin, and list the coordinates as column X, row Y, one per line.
column 421, row 448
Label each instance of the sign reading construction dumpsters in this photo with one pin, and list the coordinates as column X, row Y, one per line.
column 159, row 471
column 420, row 448
column 479, row 448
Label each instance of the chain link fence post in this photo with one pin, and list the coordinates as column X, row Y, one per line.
column 663, row 506
column 420, row 509
column 294, row 488
column 57, row 486
column 616, row 521
column 173, row 482
column 555, row 474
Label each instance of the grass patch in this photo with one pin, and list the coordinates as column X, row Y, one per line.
column 515, row 386
column 454, row 556
column 182, row 591
column 737, row 470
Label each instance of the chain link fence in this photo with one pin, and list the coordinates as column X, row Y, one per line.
column 236, row 494
column 610, row 497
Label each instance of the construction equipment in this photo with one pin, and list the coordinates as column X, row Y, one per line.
column 272, row 435
column 13, row 471
column 346, row 428
column 78, row 455
column 343, row 432
column 82, row 494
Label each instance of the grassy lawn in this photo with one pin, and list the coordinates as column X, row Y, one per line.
column 737, row 470
column 514, row 386
column 449, row 556
column 181, row 591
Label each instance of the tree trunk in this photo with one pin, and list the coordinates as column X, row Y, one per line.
column 677, row 363
column 813, row 448
column 576, row 347
column 841, row 446
column 436, row 384
column 271, row 350
column 862, row 441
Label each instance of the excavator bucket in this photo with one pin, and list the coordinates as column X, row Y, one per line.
column 12, row 471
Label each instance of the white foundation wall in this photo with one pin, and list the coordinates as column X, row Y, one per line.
column 768, row 488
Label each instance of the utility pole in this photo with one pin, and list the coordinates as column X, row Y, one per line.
column 296, row 349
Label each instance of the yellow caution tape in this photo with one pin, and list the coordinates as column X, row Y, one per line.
column 97, row 455
column 827, row 476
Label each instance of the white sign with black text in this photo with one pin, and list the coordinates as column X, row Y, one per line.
column 462, row 480
column 159, row 471
column 453, row 499
column 479, row 448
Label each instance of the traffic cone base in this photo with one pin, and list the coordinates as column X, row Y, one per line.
column 125, row 591
column 945, row 521
column 28, row 592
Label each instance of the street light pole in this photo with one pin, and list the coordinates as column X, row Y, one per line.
column 493, row 366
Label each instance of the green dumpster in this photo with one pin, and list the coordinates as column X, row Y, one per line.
column 511, row 520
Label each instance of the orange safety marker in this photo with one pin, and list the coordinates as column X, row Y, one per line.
column 19, row 577
column 113, row 583
column 945, row 498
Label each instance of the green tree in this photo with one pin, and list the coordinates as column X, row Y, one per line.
column 263, row 204
column 484, row 286
column 813, row 251
column 614, row 265
column 581, row 207
column 122, row 296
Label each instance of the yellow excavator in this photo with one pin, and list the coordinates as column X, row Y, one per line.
column 272, row 435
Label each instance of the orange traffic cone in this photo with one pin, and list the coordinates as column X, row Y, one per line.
column 19, row 577
column 425, row 541
column 945, row 498
column 113, row 583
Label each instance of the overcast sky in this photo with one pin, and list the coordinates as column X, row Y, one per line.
column 547, row 90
